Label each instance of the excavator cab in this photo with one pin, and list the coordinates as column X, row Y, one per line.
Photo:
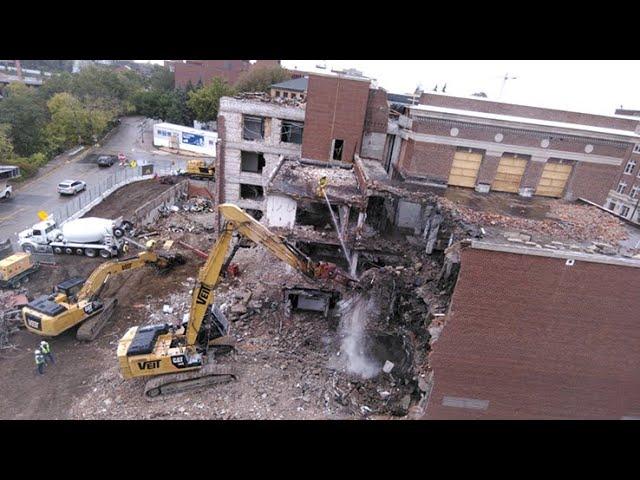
column 69, row 288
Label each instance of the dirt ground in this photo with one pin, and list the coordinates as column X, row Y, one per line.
column 126, row 199
column 298, row 366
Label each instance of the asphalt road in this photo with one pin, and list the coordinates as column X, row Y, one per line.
column 21, row 211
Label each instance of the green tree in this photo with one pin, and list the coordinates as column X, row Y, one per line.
column 204, row 103
column 25, row 111
column 162, row 79
column 57, row 83
column 70, row 122
column 261, row 79
column 177, row 110
column 6, row 147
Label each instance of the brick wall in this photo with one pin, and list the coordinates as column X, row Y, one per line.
column 591, row 181
column 377, row 113
column 539, row 339
column 525, row 111
column 519, row 138
column 335, row 109
column 429, row 160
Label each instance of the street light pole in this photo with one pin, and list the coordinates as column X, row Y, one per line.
column 504, row 81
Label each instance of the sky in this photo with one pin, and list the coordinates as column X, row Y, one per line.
column 593, row 86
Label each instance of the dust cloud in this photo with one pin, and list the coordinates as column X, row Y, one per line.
column 354, row 315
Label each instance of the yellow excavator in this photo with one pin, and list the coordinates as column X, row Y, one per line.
column 199, row 168
column 182, row 357
column 77, row 301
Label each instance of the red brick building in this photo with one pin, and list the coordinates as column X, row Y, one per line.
column 196, row 71
column 624, row 196
column 492, row 146
column 539, row 335
column 334, row 118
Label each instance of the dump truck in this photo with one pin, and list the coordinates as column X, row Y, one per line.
column 90, row 236
column 16, row 268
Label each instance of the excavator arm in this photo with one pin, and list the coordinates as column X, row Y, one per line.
column 246, row 225
column 100, row 275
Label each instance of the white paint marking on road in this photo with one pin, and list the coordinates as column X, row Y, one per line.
column 2, row 219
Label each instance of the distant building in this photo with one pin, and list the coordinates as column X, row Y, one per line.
column 204, row 71
column 294, row 88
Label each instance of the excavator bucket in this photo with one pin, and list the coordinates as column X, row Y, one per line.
column 170, row 262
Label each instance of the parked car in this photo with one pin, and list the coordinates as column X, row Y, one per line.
column 5, row 190
column 105, row 160
column 71, row 187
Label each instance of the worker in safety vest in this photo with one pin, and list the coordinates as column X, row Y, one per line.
column 125, row 247
column 39, row 362
column 46, row 351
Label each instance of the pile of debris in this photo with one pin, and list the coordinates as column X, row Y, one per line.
column 11, row 303
column 265, row 97
column 566, row 221
column 198, row 205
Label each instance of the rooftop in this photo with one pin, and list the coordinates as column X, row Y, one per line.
column 539, row 219
column 430, row 110
column 297, row 84
column 186, row 129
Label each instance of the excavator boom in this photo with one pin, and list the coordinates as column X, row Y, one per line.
column 177, row 358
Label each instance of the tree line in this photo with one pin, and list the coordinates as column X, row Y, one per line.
column 78, row 109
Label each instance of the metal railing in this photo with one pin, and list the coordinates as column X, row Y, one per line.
column 119, row 178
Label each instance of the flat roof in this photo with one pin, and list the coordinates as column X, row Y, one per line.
column 183, row 128
column 297, row 84
column 471, row 114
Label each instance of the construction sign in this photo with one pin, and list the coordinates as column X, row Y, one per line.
column 133, row 164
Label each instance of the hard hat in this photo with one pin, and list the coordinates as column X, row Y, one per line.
column 43, row 342
column 37, row 352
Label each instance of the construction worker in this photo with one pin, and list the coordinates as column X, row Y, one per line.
column 39, row 362
column 46, row 351
column 125, row 247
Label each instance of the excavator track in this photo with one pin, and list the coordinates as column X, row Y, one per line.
column 91, row 327
column 208, row 375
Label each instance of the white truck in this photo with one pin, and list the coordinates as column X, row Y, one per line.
column 90, row 236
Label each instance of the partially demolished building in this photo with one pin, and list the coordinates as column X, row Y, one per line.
column 528, row 327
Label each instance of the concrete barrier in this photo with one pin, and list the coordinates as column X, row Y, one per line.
column 150, row 211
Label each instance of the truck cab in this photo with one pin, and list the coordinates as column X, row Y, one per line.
column 41, row 233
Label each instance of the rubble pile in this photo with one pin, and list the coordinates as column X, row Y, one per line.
column 11, row 302
column 265, row 97
column 567, row 221
column 198, row 205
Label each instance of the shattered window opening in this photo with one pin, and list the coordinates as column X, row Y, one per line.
column 251, row 192
column 624, row 211
column 252, row 162
column 291, row 132
column 338, row 145
column 253, row 128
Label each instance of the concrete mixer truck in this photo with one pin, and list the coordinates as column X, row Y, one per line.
column 85, row 236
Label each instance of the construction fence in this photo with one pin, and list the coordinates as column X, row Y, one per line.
column 93, row 195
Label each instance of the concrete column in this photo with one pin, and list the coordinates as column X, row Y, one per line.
column 354, row 264
column 344, row 219
column 531, row 176
column 488, row 169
